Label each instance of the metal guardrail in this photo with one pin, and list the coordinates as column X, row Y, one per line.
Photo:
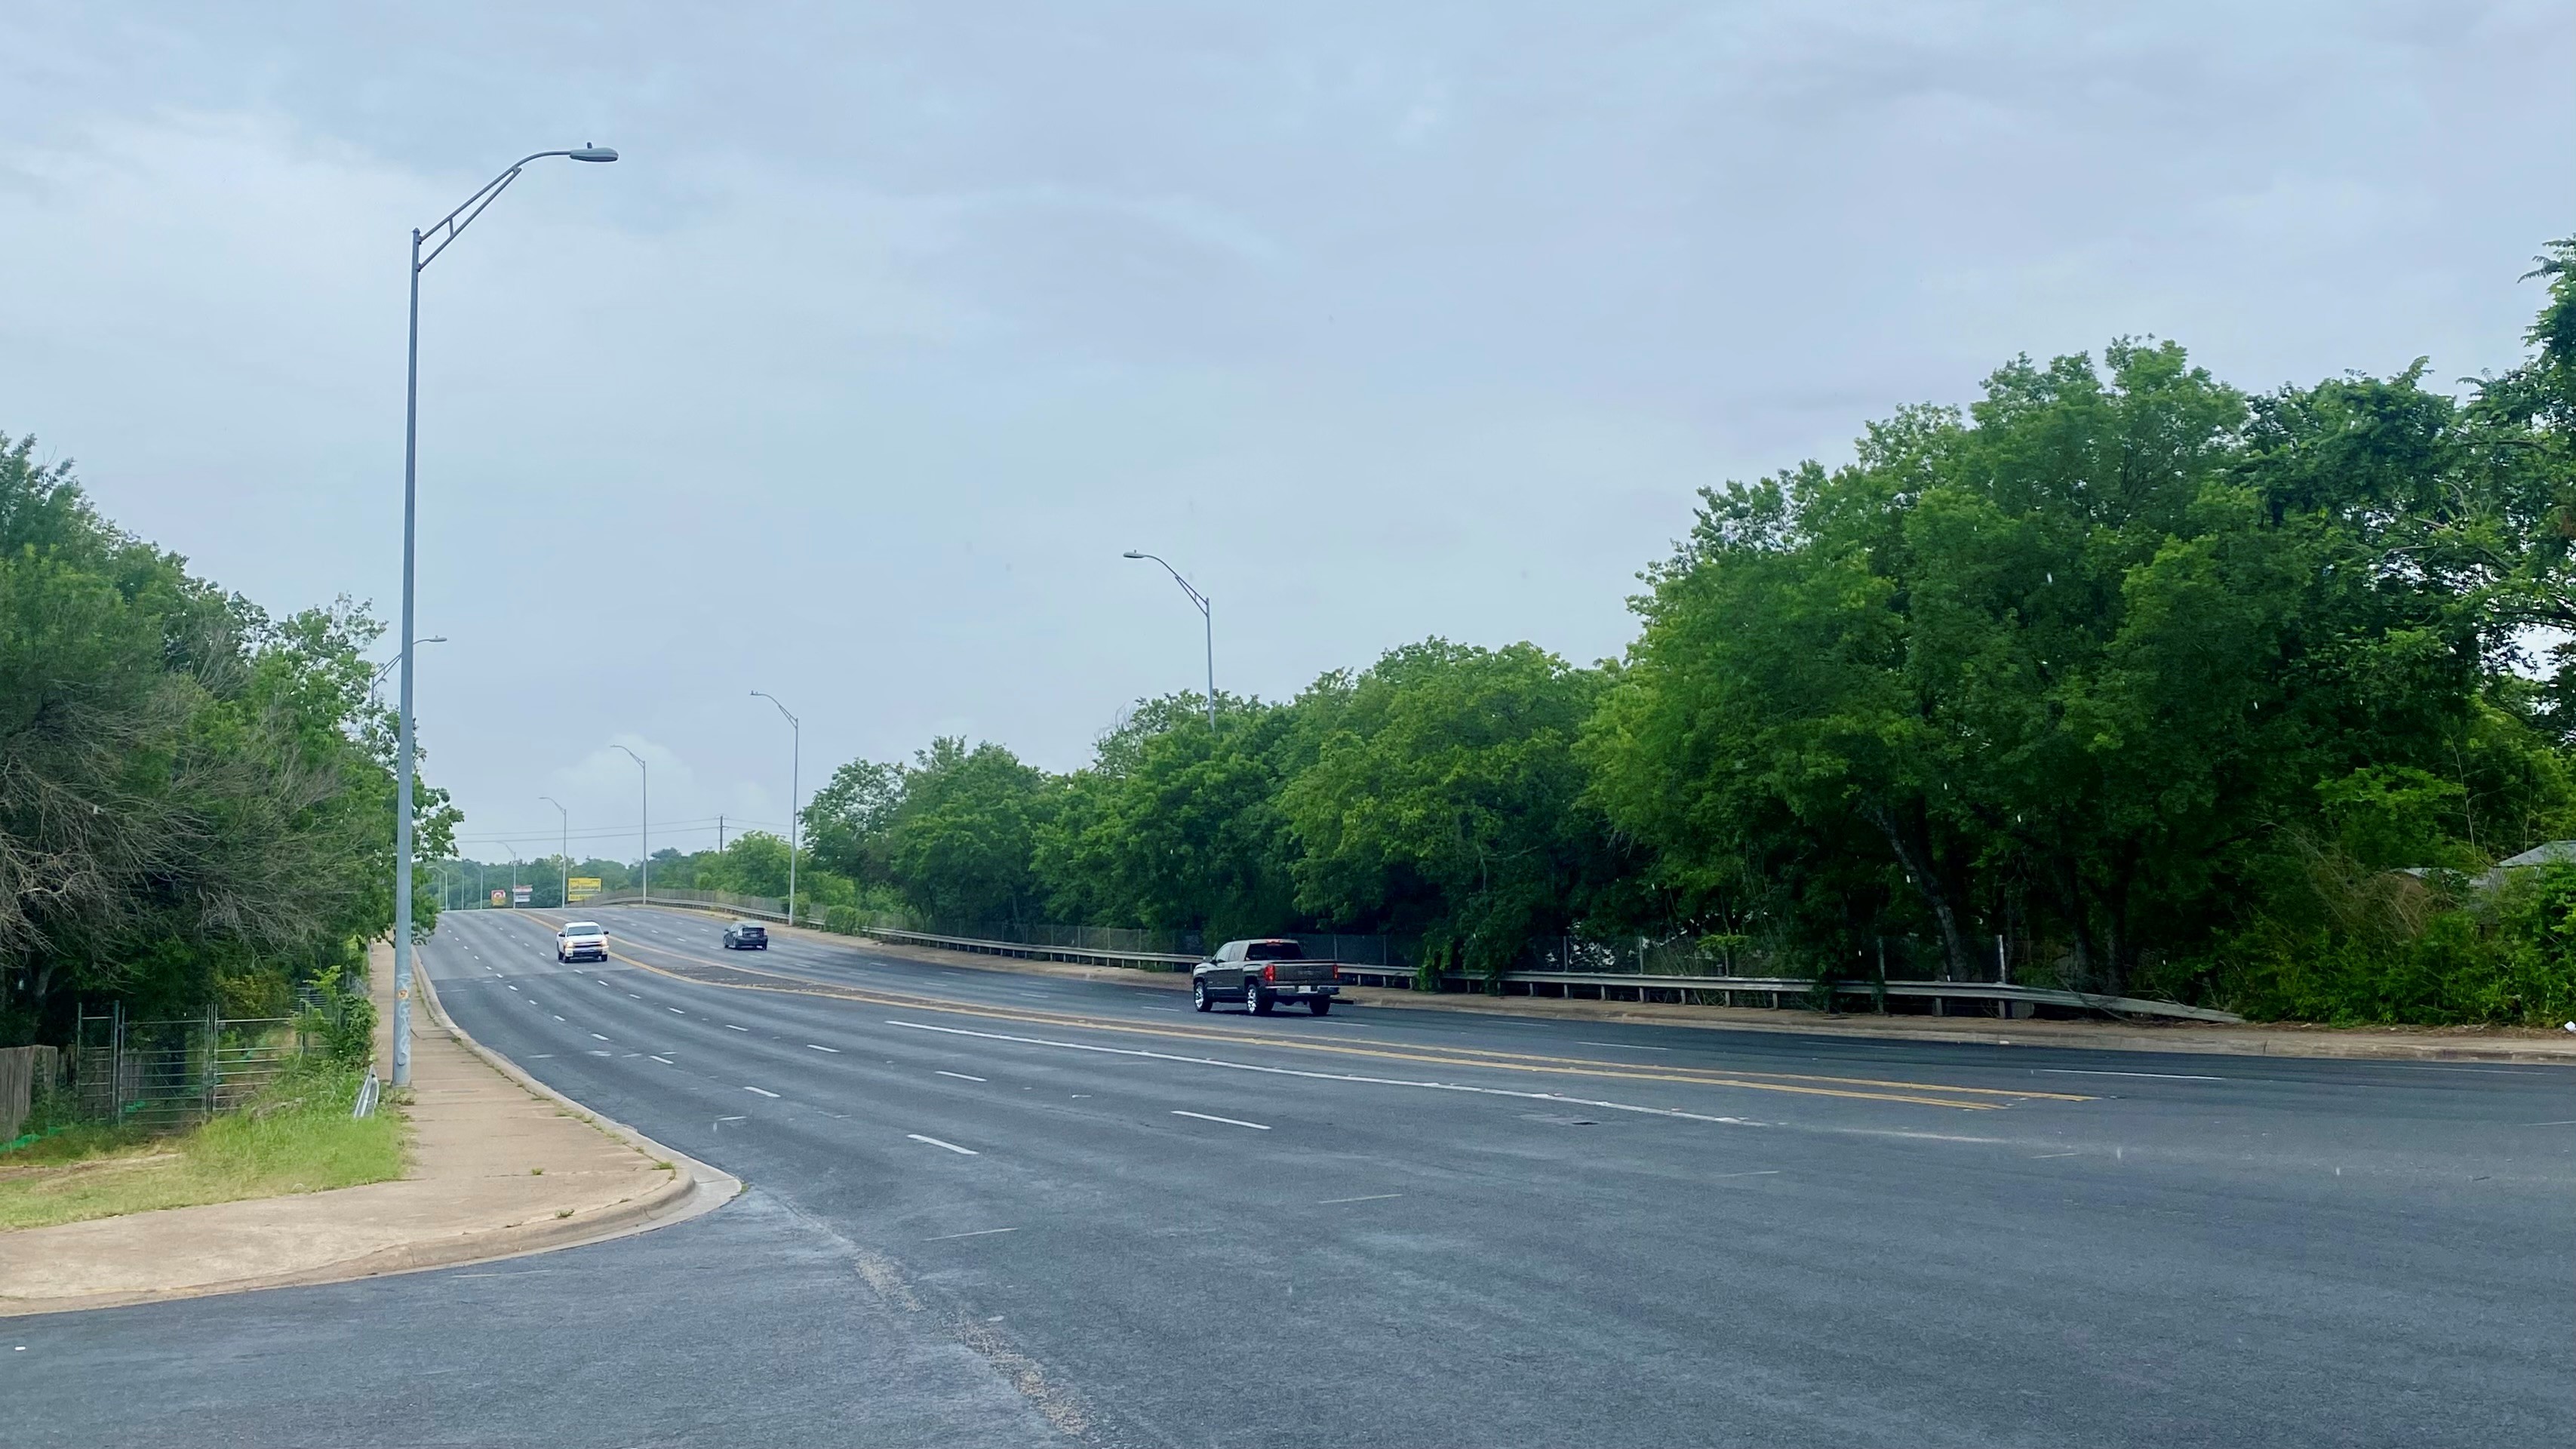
column 1777, row 988
column 1146, row 960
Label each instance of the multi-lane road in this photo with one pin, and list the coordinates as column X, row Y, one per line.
column 993, row 1207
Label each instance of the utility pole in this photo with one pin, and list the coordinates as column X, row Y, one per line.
column 719, row 834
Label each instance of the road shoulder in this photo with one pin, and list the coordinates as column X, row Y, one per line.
column 501, row 1165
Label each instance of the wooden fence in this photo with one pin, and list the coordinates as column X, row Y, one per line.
column 24, row 1070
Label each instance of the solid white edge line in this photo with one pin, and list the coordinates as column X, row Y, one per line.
column 980, row 1233
column 817, row 1047
column 1372, row 1197
column 951, row 1146
column 1229, row 1121
column 961, row 1076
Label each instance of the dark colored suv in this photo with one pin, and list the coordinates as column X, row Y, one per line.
column 746, row 936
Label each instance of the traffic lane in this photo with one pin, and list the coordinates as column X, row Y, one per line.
column 750, row 1325
column 2235, row 1279
column 949, row 1106
column 2069, row 1138
column 2437, row 1093
column 2435, row 1126
column 1457, row 1232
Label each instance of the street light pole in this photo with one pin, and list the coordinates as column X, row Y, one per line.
column 404, row 769
column 795, row 767
column 1207, row 618
column 646, row 822
column 564, row 898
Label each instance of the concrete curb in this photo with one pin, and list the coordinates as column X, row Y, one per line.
column 692, row 1189
column 2197, row 1039
column 696, row 1186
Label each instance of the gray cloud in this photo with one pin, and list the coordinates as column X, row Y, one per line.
column 897, row 325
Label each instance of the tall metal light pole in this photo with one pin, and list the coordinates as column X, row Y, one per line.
column 795, row 766
column 564, row 899
column 454, row 225
column 1207, row 616
column 647, row 822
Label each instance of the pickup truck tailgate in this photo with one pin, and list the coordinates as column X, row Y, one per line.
column 1294, row 973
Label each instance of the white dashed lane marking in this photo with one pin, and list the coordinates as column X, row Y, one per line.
column 1229, row 1121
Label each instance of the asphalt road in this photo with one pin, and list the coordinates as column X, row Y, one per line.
column 997, row 1208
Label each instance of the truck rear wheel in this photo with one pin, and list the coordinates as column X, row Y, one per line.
column 1256, row 1001
column 1320, row 1005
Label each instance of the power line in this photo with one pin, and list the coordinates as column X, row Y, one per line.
column 610, row 832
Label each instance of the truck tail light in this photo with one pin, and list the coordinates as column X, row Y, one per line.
column 1269, row 973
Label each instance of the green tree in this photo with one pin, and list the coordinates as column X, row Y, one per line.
column 1439, row 792
column 2078, row 650
column 196, row 800
column 962, row 846
column 1174, row 825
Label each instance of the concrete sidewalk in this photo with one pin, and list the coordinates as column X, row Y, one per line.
column 2272, row 1039
column 499, row 1165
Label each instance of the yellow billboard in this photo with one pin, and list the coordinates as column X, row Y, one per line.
column 580, row 888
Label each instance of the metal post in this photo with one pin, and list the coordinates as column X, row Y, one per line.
column 795, row 787
column 646, row 824
column 472, row 207
column 211, row 1074
column 403, row 744
column 1207, row 619
column 564, row 896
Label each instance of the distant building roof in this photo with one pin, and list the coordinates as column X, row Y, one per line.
column 2555, row 850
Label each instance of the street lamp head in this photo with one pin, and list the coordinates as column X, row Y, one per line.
column 594, row 153
column 432, row 639
column 1132, row 553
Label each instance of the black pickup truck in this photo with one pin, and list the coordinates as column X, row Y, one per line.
column 1262, row 974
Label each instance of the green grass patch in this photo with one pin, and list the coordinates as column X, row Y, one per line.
column 297, row 1136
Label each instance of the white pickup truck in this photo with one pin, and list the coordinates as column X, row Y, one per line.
column 1262, row 974
column 581, row 941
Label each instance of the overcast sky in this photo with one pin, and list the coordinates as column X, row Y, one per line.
column 897, row 324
